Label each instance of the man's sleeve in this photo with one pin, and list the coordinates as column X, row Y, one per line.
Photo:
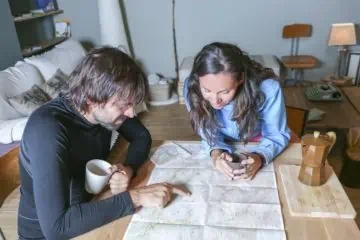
column 48, row 154
column 140, row 142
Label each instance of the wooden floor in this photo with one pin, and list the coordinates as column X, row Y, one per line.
column 169, row 123
column 172, row 123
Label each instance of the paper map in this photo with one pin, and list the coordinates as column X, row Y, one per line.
column 218, row 208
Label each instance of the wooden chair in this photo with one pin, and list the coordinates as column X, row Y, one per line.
column 297, row 63
column 296, row 119
column 9, row 173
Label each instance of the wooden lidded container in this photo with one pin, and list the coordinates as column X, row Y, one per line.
column 315, row 150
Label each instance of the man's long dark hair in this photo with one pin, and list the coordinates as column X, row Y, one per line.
column 106, row 72
column 226, row 58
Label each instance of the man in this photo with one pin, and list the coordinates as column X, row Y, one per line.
column 66, row 133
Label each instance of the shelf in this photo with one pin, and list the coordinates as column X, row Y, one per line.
column 44, row 46
column 23, row 19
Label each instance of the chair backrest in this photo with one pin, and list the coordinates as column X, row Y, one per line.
column 296, row 119
column 297, row 30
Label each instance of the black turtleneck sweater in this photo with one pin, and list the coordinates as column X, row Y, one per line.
column 56, row 145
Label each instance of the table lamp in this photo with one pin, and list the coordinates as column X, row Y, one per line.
column 341, row 35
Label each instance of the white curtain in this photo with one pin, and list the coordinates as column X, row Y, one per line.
column 112, row 24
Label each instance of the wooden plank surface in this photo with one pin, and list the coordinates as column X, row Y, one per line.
column 169, row 122
column 328, row 200
column 8, row 215
column 304, row 228
column 299, row 62
column 297, row 30
column 353, row 94
column 338, row 114
column 172, row 122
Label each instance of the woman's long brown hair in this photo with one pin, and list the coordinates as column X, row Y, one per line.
column 226, row 58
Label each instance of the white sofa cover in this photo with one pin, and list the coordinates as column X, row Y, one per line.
column 34, row 70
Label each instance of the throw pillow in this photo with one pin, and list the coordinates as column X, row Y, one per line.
column 47, row 68
column 30, row 100
column 57, row 84
column 66, row 55
column 13, row 81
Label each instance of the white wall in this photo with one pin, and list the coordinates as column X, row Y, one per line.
column 84, row 18
column 10, row 51
column 150, row 27
column 256, row 26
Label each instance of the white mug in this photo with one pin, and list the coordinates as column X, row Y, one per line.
column 97, row 175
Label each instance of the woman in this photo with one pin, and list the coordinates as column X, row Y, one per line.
column 232, row 97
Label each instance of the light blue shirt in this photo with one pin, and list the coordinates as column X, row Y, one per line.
column 275, row 134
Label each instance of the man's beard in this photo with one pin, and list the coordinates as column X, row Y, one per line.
column 111, row 126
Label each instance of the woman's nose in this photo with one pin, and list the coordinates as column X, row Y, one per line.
column 218, row 100
column 214, row 99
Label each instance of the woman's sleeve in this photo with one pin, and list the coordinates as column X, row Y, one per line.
column 274, row 129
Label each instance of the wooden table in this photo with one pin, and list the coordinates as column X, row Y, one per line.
column 296, row 227
column 340, row 115
column 353, row 94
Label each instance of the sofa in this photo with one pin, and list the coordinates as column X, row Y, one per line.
column 39, row 70
column 21, row 77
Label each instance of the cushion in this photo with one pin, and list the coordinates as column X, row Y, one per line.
column 46, row 67
column 30, row 100
column 12, row 130
column 19, row 128
column 58, row 83
column 13, row 81
column 66, row 55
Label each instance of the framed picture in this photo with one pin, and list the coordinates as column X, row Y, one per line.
column 353, row 67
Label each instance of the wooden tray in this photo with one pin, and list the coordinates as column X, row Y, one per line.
column 328, row 200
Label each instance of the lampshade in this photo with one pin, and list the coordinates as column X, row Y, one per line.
column 342, row 34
